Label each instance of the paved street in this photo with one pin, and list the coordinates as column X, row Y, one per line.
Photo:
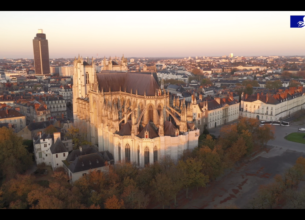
column 279, row 141
column 240, row 186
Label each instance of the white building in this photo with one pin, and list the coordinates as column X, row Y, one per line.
column 51, row 149
column 84, row 160
column 273, row 107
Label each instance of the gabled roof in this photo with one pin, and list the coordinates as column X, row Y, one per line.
column 39, row 125
column 86, row 149
column 131, row 81
column 87, row 162
column 58, row 147
column 169, row 129
column 152, row 132
column 125, row 130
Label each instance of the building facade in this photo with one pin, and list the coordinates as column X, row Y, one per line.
column 129, row 115
column 273, row 107
column 41, row 53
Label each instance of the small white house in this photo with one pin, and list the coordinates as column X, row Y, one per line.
column 85, row 159
column 49, row 149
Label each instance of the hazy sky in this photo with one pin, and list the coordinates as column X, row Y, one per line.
column 152, row 34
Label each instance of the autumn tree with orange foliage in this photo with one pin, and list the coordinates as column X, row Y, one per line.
column 282, row 192
column 133, row 197
column 191, row 174
column 211, row 162
column 114, row 203
column 59, row 195
column 90, row 188
column 15, row 191
column 161, row 189
column 50, row 129
column 14, row 157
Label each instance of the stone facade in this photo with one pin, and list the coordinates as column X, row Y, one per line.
column 129, row 115
column 273, row 107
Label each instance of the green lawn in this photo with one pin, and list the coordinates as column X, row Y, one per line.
column 296, row 137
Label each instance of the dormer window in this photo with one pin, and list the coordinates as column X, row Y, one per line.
column 146, row 134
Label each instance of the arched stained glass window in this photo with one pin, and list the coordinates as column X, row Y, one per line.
column 127, row 153
column 146, row 156
column 155, row 154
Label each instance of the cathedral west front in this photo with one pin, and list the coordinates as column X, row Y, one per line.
column 130, row 115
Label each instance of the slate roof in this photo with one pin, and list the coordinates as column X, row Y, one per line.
column 169, row 129
column 58, row 147
column 86, row 149
column 87, row 162
column 136, row 81
column 125, row 129
column 39, row 125
column 151, row 130
column 88, row 159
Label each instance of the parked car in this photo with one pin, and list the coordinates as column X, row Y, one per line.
column 285, row 123
column 301, row 129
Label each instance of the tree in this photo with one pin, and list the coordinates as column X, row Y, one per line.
column 133, row 197
column 114, row 203
column 59, row 194
column 14, row 157
column 124, row 170
column 274, row 84
column 253, row 83
column 161, row 189
column 191, row 174
column 294, row 83
column 238, row 150
column 248, row 90
column 79, row 134
column 286, row 75
column 197, row 71
column 15, row 191
column 90, row 188
column 212, row 163
column 205, row 82
column 50, row 129
column 208, row 141
column 264, row 134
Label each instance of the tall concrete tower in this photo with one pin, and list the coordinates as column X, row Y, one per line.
column 41, row 53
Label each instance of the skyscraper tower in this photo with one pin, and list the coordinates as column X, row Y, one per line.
column 41, row 53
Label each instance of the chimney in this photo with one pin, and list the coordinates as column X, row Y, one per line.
column 39, row 134
column 257, row 96
column 267, row 97
column 6, row 111
column 246, row 96
column 200, row 97
column 56, row 135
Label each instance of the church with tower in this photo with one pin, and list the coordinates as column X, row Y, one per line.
column 130, row 114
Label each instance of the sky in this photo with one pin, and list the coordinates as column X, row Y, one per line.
column 152, row 34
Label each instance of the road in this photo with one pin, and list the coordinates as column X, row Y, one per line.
column 279, row 137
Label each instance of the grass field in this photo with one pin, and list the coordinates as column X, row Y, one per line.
column 296, row 137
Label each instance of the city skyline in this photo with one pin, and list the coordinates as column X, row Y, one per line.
column 152, row 34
